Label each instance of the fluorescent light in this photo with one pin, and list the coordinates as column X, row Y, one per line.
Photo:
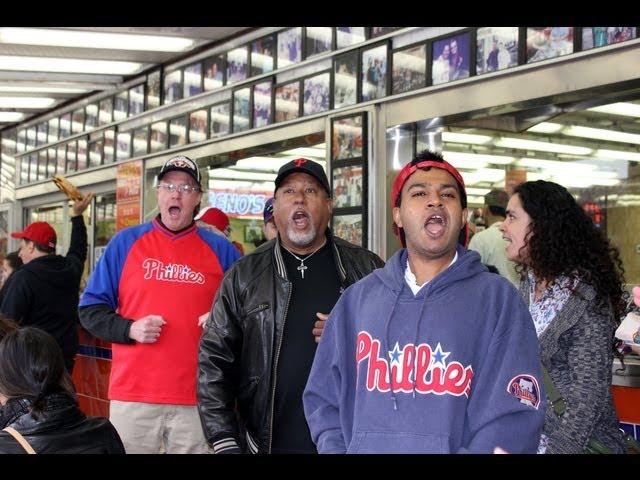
column 519, row 143
column 546, row 127
column 26, row 102
column 601, row 134
column 465, row 138
column 261, row 164
column 227, row 173
column 43, row 89
column 68, row 65
column 477, row 191
column 617, row 155
column 306, row 152
column 471, row 199
column 620, row 108
column 83, row 39
column 555, row 165
column 11, row 116
column 490, row 175
column 583, row 182
column 481, row 157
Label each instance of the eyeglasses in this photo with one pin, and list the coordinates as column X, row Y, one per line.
column 186, row 189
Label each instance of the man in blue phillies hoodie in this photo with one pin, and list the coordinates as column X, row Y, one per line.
column 432, row 353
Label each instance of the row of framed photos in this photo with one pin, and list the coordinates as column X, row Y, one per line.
column 349, row 177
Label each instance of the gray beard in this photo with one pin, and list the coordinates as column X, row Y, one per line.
column 301, row 239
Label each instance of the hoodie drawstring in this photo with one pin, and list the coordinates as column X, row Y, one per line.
column 415, row 345
column 386, row 348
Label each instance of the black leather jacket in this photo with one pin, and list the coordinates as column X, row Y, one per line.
column 60, row 428
column 241, row 342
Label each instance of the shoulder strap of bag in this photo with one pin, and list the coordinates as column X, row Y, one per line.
column 20, row 439
column 557, row 402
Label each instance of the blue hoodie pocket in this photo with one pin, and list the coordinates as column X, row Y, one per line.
column 398, row 442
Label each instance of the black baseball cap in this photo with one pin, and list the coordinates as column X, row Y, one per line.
column 304, row 165
column 181, row 163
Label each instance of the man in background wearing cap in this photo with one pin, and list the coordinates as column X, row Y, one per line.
column 44, row 292
column 217, row 221
column 258, row 344
column 431, row 354
column 269, row 228
column 145, row 296
column 489, row 242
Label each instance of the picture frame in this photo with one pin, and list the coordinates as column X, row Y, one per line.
column 348, row 187
column 214, row 68
column 451, row 58
column 91, row 116
column 348, row 137
column 77, row 122
column 52, row 162
column 289, row 47
column 287, row 101
column 105, row 113
column 72, row 156
column 81, row 154
column 140, row 141
column 178, row 131
column 379, row 31
column 65, row 126
column 198, row 125
column 317, row 93
column 31, row 132
column 409, row 68
column 241, row 109
column 41, row 133
column 317, row 40
column 154, row 89
column 349, row 227
column 33, row 167
column 263, row 55
column 123, row 146
column 42, row 164
column 348, row 36
column 61, row 158
column 192, row 80
column 374, row 72
column 548, row 42
column 237, row 64
column 496, row 48
column 136, row 100
column 594, row 37
column 262, row 103
column 95, row 153
column 252, row 233
column 121, row 106
column 158, row 136
column 172, row 91
column 52, row 133
column 109, row 152
column 345, row 80
column 220, row 119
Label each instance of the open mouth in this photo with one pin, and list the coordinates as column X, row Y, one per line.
column 300, row 219
column 435, row 225
column 174, row 212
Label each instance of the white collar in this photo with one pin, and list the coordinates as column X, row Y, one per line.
column 410, row 278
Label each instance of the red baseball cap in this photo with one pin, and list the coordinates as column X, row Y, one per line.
column 408, row 170
column 214, row 216
column 39, row 232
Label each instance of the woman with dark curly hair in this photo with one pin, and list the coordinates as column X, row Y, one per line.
column 572, row 283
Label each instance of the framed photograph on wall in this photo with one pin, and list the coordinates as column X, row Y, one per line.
column 82, row 153
column 409, row 68
column 136, row 100
column 192, row 80
column 158, row 137
column 262, row 103
column 95, row 153
column 173, row 87
column 153, row 89
column 316, row 93
column 496, row 48
column 91, row 117
column 374, row 72
column 178, row 131
column 214, row 72
column 345, row 80
column 289, row 46
column 77, row 125
column 237, row 64
column 140, row 141
column 241, row 109
column 65, row 126
column 262, row 55
column 105, row 115
column 318, row 40
column 379, row 31
column 220, row 116
column 548, row 42
column 347, row 36
column 121, row 106
column 123, row 146
column 451, row 60
column 349, row 228
column 110, row 145
column 287, row 101
column 72, row 158
column 347, row 186
column 198, row 126
column 348, row 138
column 593, row 37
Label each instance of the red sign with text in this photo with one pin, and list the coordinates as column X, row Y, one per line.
column 128, row 191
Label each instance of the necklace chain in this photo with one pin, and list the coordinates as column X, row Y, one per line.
column 302, row 267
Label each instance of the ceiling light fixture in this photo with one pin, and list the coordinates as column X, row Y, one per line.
column 620, row 108
column 601, row 134
column 481, row 157
column 68, row 65
column 546, row 127
column 617, row 155
column 11, row 117
column 522, row 144
column 455, row 137
column 26, row 102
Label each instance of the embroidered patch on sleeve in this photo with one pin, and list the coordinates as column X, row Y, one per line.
column 526, row 389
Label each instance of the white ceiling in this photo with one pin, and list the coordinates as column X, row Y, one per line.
column 18, row 83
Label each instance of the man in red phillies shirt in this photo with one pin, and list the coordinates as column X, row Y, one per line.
column 145, row 296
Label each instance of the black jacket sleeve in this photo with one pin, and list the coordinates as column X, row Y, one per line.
column 101, row 321
column 78, row 247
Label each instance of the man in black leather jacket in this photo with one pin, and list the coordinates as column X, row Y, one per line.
column 259, row 342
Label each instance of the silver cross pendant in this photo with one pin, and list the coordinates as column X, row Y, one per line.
column 302, row 268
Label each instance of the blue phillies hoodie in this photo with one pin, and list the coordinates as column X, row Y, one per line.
column 454, row 368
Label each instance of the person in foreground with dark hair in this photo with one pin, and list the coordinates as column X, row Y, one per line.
column 572, row 285
column 44, row 292
column 10, row 264
column 39, row 406
column 430, row 354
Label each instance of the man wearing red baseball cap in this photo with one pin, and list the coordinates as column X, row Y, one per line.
column 432, row 353
column 44, row 292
